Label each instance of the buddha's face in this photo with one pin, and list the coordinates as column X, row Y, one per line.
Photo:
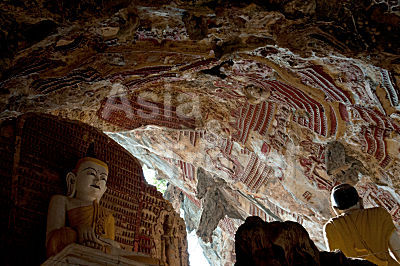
column 91, row 179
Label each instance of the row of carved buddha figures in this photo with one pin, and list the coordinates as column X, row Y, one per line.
column 78, row 218
column 169, row 246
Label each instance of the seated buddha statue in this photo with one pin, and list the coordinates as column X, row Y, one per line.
column 77, row 217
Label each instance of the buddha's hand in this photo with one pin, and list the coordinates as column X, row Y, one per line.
column 87, row 237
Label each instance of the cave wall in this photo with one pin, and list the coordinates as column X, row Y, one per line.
column 275, row 102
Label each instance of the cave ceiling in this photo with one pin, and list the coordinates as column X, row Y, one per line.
column 247, row 107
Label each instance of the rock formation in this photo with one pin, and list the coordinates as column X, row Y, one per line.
column 218, row 203
column 282, row 243
column 261, row 95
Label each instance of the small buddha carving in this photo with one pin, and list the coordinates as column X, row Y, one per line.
column 77, row 217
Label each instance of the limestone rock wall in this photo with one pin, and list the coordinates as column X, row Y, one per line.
column 276, row 101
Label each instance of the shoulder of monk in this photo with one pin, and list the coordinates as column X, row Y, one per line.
column 378, row 209
column 375, row 212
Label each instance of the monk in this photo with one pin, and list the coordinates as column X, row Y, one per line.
column 77, row 217
column 362, row 233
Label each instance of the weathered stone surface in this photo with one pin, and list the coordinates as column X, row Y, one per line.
column 282, row 243
column 220, row 251
column 275, row 243
column 217, row 203
column 343, row 168
column 252, row 92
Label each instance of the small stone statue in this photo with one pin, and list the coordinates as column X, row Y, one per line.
column 170, row 244
column 77, row 217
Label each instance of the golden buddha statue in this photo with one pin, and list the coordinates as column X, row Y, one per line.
column 361, row 233
column 77, row 217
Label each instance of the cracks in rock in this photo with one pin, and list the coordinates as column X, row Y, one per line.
column 216, row 203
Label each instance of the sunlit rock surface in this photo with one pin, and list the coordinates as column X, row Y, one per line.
column 277, row 101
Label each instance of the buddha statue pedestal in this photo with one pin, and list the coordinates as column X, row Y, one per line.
column 75, row 254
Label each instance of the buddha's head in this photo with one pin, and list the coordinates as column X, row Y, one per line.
column 88, row 180
column 345, row 197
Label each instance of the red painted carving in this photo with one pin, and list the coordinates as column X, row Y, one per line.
column 131, row 113
column 227, row 226
column 373, row 135
column 154, row 34
column 253, row 117
column 316, row 77
column 193, row 199
column 252, row 68
column 227, row 147
column 309, row 166
column 343, row 112
column 277, row 138
column 197, row 65
column 307, row 195
column 256, row 173
column 315, row 150
column 314, row 161
column 315, row 118
column 282, row 213
column 376, row 118
column 188, row 169
column 255, row 211
column 193, row 135
column 375, row 145
column 354, row 78
column 333, row 121
column 228, row 89
column 265, row 148
column 245, row 151
column 72, row 80
column 298, row 100
column 31, row 65
column 372, row 194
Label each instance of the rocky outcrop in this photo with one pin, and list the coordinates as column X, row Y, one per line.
column 282, row 243
column 219, row 248
column 217, row 203
column 310, row 26
column 343, row 168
